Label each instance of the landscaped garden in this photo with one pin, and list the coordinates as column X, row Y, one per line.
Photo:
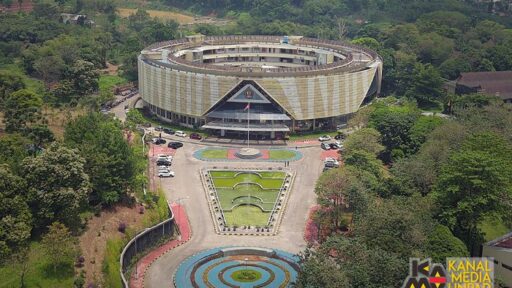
column 247, row 197
column 230, row 154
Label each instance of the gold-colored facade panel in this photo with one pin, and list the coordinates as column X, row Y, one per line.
column 305, row 97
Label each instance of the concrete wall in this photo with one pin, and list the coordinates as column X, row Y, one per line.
column 502, row 256
column 305, row 97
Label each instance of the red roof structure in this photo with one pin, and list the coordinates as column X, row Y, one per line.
column 497, row 83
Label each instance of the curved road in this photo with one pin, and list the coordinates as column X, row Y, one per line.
column 187, row 183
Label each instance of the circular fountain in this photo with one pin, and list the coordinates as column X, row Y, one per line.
column 248, row 153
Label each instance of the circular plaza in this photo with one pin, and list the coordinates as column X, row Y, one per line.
column 238, row 267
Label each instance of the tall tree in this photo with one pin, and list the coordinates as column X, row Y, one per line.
column 59, row 245
column 15, row 217
column 21, row 109
column 109, row 160
column 58, row 186
column 475, row 182
column 9, row 83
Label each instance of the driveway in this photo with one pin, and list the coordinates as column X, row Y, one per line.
column 187, row 183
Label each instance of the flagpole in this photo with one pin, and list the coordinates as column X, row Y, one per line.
column 248, row 111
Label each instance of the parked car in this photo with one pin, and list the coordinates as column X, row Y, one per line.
column 334, row 146
column 175, row 145
column 163, row 163
column 339, row 136
column 324, row 138
column 168, row 131
column 331, row 162
column 158, row 141
column 164, row 156
column 325, row 146
column 159, row 128
column 166, row 174
column 327, row 168
column 195, row 136
column 161, row 167
column 180, row 134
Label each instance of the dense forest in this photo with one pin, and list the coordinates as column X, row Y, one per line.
column 403, row 169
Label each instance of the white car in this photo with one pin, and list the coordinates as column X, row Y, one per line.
column 325, row 146
column 166, row 173
column 162, row 167
column 331, row 162
column 324, row 138
column 164, row 157
column 180, row 134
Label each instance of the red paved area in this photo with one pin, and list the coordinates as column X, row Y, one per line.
column 144, row 263
column 311, row 231
column 154, row 150
column 329, row 153
column 265, row 154
column 231, row 154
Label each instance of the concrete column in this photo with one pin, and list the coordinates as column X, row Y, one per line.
column 272, row 134
column 222, row 132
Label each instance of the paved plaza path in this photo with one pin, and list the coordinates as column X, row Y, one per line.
column 187, row 184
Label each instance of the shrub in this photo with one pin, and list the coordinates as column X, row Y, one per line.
column 122, row 227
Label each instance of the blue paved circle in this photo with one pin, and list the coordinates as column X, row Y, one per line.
column 213, row 268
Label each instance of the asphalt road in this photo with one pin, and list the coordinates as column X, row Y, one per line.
column 187, row 184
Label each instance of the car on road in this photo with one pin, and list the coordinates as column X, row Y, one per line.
column 331, row 162
column 180, row 134
column 164, row 158
column 166, row 174
column 195, row 136
column 159, row 128
column 327, row 168
column 325, row 146
column 168, row 131
column 164, row 169
column 340, row 136
column 175, row 145
column 334, row 146
column 324, row 138
column 163, row 163
column 158, row 141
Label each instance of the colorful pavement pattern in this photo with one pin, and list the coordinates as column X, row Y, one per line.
column 216, row 267
column 137, row 281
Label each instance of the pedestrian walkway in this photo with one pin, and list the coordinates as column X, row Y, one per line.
column 180, row 216
column 329, row 153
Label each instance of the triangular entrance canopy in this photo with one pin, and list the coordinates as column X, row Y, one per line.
column 248, row 94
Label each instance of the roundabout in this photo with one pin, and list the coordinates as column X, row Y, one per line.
column 238, row 267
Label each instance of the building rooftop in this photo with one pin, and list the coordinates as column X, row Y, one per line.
column 497, row 83
column 504, row 241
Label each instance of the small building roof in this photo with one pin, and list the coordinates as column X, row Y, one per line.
column 497, row 83
column 504, row 241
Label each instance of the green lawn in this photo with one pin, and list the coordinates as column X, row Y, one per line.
column 215, row 153
column 281, row 154
column 107, row 82
column 39, row 274
column 246, row 215
column 493, row 228
column 231, row 193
